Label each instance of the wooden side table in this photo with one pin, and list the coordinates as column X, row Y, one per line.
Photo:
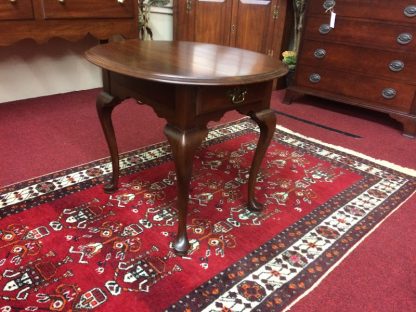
column 188, row 84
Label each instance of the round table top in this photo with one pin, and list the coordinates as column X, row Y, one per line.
column 183, row 62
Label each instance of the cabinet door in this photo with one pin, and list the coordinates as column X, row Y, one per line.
column 55, row 9
column 204, row 21
column 256, row 25
column 252, row 24
column 212, row 22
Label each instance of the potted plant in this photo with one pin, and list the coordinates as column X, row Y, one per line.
column 289, row 57
column 145, row 32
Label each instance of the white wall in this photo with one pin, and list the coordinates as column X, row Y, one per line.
column 29, row 70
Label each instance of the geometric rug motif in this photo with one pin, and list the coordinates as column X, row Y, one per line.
column 65, row 245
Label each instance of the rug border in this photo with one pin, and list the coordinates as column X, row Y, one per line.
column 381, row 162
column 347, row 254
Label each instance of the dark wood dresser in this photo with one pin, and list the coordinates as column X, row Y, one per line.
column 247, row 24
column 368, row 59
column 41, row 20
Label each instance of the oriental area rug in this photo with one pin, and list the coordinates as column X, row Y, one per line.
column 67, row 246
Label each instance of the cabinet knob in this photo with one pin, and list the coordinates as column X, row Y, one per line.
column 404, row 38
column 315, row 78
column 13, row 1
column 319, row 53
column 324, row 29
column 121, row 1
column 410, row 11
column 61, row 1
column 389, row 93
column 329, row 4
column 396, row 66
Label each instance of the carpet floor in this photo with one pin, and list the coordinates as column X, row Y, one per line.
column 62, row 131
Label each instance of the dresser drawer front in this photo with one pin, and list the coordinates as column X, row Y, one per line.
column 55, row 9
column 212, row 99
column 391, row 65
column 19, row 10
column 386, row 93
column 394, row 11
column 363, row 33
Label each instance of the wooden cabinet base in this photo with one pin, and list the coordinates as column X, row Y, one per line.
column 366, row 58
column 408, row 121
column 71, row 20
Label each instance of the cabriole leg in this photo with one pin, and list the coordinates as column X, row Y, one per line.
column 266, row 121
column 105, row 104
column 184, row 144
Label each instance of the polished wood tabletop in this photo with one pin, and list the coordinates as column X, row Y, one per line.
column 185, row 62
column 189, row 84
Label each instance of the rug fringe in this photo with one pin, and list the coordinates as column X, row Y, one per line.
column 381, row 162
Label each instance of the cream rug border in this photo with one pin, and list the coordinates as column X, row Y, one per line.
column 384, row 163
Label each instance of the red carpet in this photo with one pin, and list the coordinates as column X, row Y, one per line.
column 61, row 131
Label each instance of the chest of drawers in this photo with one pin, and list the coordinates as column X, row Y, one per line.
column 367, row 59
column 41, row 20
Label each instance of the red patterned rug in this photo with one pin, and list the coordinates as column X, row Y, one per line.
column 67, row 246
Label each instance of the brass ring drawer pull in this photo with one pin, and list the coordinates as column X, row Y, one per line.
column 237, row 95
column 324, row 29
column 396, row 66
column 404, row 38
column 410, row 11
column 315, row 78
column 319, row 53
column 389, row 93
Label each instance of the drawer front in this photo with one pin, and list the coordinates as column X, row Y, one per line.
column 381, row 93
column 402, row 11
column 56, row 9
column 362, row 33
column 391, row 65
column 18, row 10
column 214, row 98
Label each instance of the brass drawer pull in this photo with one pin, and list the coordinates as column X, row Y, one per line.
column 237, row 95
column 396, row 66
column 404, row 38
column 319, row 53
column 324, row 29
column 389, row 93
column 315, row 78
column 410, row 11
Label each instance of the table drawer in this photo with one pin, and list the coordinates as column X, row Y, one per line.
column 19, row 10
column 388, row 94
column 391, row 65
column 402, row 11
column 55, row 9
column 214, row 98
column 363, row 33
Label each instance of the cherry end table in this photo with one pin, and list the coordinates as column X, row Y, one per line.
column 188, row 84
